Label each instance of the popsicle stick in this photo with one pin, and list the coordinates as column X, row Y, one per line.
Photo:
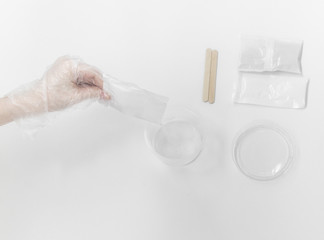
column 207, row 74
column 213, row 73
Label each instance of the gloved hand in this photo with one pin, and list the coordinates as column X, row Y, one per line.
column 67, row 82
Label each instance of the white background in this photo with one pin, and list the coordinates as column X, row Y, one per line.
column 90, row 175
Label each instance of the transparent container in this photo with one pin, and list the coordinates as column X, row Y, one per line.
column 263, row 151
column 178, row 141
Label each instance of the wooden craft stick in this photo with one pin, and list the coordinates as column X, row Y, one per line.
column 213, row 73
column 207, row 74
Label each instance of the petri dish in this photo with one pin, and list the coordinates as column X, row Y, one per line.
column 178, row 141
column 263, row 151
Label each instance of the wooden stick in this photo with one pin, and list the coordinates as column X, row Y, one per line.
column 213, row 73
column 207, row 74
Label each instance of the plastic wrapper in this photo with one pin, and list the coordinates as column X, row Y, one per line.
column 69, row 82
column 134, row 101
column 272, row 90
column 260, row 54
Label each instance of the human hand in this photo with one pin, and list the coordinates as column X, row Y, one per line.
column 67, row 82
column 70, row 81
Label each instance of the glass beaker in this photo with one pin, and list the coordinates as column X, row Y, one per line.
column 179, row 140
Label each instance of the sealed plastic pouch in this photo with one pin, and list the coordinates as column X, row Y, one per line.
column 273, row 90
column 261, row 54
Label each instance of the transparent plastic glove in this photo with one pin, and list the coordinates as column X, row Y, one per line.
column 67, row 82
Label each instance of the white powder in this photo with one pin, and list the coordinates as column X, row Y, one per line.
column 178, row 140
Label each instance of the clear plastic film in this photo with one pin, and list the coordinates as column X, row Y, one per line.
column 262, row 54
column 129, row 99
column 69, row 82
column 272, row 90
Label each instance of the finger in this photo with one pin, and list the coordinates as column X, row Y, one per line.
column 90, row 92
column 105, row 96
column 90, row 78
column 89, row 75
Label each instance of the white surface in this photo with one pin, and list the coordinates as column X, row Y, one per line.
column 91, row 176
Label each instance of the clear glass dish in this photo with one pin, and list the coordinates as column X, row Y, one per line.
column 263, row 151
column 179, row 140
